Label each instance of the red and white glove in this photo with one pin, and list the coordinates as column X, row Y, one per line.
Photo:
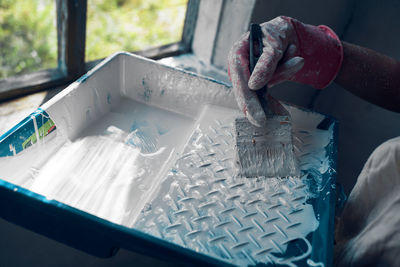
column 292, row 51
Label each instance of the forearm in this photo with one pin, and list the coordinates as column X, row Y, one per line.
column 372, row 76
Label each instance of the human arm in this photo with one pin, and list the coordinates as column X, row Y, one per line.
column 315, row 56
column 371, row 76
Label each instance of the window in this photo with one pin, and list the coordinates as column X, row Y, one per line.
column 132, row 25
column 49, row 41
column 28, row 36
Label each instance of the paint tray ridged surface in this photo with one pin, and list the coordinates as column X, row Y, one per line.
column 204, row 205
column 141, row 156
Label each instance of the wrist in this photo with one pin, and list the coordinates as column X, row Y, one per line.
column 322, row 51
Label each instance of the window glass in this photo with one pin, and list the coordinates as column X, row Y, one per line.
column 28, row 36
column 132, row 25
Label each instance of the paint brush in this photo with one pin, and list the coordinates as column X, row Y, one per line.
column 265, row 151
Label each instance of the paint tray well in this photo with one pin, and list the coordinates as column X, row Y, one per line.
column 141, row 156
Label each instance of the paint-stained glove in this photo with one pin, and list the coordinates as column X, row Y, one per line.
column 292, row 51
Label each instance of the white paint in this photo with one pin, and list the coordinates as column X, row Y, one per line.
column 88, row 162
column 36, row 128
column 191, row 62
column 184, row 93
column 266, row 151
column 12, row 149
column 165, row 212
column 109, row 168
column 22, row 168
column 83, row 103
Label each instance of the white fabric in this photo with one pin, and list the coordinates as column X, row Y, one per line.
column 368, row 233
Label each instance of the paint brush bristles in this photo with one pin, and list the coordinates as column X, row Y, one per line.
column 268, row 151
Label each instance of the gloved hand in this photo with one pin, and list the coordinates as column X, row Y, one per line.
column 292, row 51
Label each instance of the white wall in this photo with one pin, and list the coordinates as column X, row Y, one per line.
column 219, row 24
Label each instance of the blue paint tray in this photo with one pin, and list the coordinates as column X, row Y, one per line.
column 141, row 156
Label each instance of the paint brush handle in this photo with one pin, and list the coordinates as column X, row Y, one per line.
column 256, row 43
column 255, row 40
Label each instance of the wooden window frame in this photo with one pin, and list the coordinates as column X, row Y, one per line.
column 71, row 37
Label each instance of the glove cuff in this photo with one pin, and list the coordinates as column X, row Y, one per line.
column 322, row 51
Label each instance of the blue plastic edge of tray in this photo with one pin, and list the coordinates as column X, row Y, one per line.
column 323, row 238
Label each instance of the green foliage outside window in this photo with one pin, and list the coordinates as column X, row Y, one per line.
column 132, row 25
column 28, row 34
